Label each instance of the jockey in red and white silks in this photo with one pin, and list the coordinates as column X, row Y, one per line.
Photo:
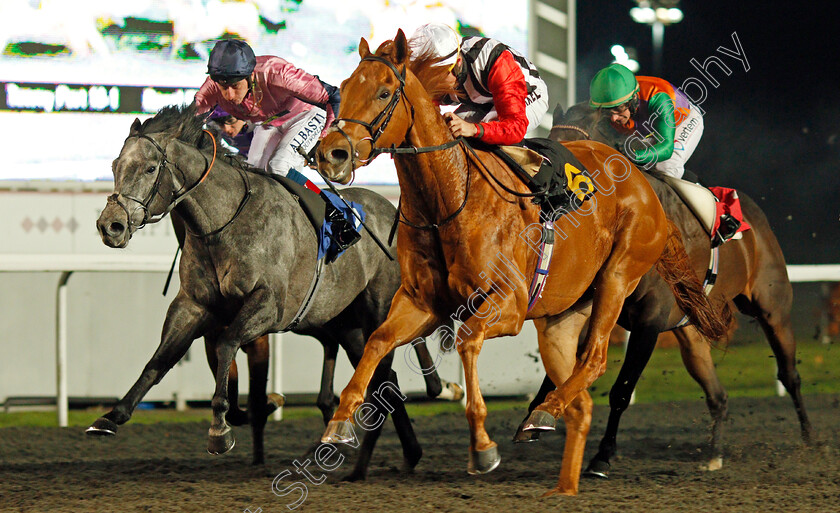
column 501, row 95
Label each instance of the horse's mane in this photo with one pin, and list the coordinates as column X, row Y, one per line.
column 426, row 67
column 183, row 119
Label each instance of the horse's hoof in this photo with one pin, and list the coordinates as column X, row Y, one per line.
column 713, row 464
column 411, row 458
column 276, row 400
column 521, row 436
column 451, row 392
column 559, row 491
column 598, row 468
column 338, row 432
column 273, row 402
column 354, row 476
column 539, row 420
column 221, row 443
column 482, row 462
column 102, row 427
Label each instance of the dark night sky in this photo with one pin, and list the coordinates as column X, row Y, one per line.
column 773, row 131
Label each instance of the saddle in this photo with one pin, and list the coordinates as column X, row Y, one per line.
column 560, row 183
column 717, row 208
column 312, row 204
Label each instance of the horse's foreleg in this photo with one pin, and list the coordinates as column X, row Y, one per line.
column 385, row 396
column 578, row 417
column 697, row 358
column 558, row 340
column 236, row 416
column 614, row 282
column 254, row 319
column 484, row 452
column 185, row 321
column 405, row 322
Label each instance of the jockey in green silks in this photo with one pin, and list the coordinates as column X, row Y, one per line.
column 653, row 112
column 660, row 117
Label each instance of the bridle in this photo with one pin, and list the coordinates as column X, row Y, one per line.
column 377, row 126
column 177, row 196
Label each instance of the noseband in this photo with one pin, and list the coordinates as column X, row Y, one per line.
column 145, row 204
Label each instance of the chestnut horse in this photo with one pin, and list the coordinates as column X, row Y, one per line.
column 752, row 274
column 463, row 215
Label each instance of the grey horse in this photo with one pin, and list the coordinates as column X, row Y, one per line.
column 248, row 265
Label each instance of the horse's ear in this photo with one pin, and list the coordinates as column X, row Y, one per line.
column 135, row 127
column 364, row 49
column 557, row 117
column 400, row 47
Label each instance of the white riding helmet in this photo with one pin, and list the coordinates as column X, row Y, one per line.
column 438, row 40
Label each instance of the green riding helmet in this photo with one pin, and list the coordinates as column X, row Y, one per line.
column 612, row 86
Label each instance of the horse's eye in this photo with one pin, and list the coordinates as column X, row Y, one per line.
column 384, row 95
column 151, row 170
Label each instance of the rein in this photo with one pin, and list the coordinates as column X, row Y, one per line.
column 164, row 163
column 575, row 128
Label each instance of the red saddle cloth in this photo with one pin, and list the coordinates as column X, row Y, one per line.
column 728, row 203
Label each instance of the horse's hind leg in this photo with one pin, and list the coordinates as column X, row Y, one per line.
column 185, row 321
column 770, row 305
column 327, row 400
column 260, row 405
column 697, row 358
column 434, row 385
column 639, row 349
column 578, row 418
column 436, row 388
column 384, row 396
column 405, row 322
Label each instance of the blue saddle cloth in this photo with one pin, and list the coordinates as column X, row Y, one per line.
column 326, row 246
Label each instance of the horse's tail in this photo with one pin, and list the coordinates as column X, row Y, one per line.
column 712, row 321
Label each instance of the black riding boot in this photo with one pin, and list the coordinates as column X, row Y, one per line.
column 343, row 232
column 727, row 229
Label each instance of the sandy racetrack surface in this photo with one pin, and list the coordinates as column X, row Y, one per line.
column 164, row 467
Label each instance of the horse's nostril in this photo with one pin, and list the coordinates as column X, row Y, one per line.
column 116, row 228
column 338, row 155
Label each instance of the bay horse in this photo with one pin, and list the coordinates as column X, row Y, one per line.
column 751, row 273
column 248, row 265
column 463, row 214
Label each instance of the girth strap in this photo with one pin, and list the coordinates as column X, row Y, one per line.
column 543, row 263
column 307, row 301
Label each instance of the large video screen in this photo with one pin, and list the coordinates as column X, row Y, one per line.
column 75, row 74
